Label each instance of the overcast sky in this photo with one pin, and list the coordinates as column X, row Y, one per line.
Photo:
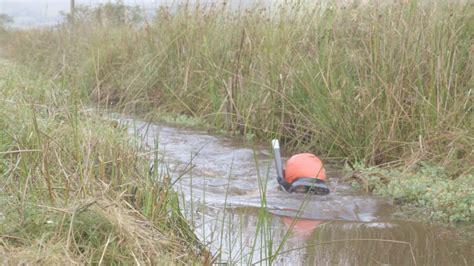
column 47, row 12
column 27, row 13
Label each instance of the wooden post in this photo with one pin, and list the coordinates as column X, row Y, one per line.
column 73, row 11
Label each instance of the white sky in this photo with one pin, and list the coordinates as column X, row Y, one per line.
column 28, row 13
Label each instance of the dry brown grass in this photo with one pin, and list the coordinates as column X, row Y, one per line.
column 75, row 190
column 377, row 84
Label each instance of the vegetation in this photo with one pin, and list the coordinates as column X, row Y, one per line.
column 427, row 188
column 372, row 83
column 4, row 22
column 378, row 84
column 74, row 189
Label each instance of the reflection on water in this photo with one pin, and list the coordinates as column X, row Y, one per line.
column 223, row 200
column 323, row 242
column 393, row 242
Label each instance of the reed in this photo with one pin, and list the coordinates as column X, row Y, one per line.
column 376, row 83
column 75, row 189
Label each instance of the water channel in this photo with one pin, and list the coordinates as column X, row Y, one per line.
column 232, row 199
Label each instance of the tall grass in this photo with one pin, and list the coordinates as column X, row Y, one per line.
column 375, row 83
column 75, row 190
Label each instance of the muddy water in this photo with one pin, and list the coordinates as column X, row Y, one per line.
column 223, row 182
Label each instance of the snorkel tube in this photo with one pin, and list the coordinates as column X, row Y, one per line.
column 301, row 184
column 279, row 167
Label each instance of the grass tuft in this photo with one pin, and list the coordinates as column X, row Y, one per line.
column 75, row 189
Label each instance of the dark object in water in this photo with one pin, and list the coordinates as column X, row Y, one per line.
column 304, row 173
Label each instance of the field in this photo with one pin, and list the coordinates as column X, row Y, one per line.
column 386, row 88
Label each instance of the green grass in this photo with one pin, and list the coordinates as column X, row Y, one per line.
column 374, row 83
column 380, row 85
column 425, row 189
column 75, row 189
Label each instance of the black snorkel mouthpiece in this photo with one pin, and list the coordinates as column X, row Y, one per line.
column 311, row 185
column 300, row 185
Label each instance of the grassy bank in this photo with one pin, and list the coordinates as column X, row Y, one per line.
column 373, row 83
column 74, row 189
column 427, row 192
column 378, row 84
